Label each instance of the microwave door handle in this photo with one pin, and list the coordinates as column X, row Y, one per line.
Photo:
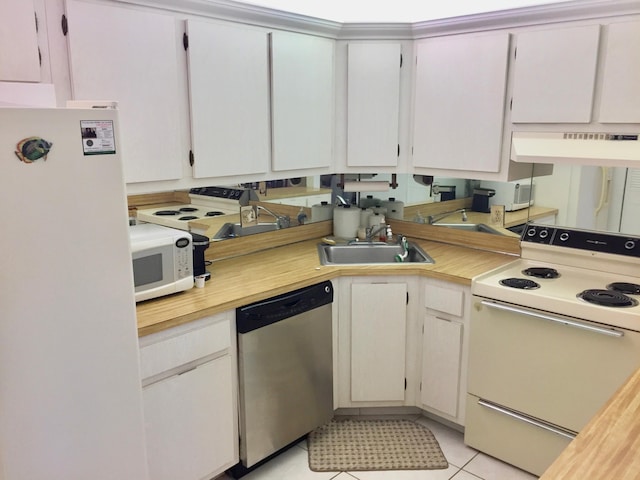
column 562, row 320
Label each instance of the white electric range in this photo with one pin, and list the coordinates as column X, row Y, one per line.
column 206, row 202
column 553, row 335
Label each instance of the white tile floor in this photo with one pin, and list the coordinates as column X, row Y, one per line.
column 465, row 463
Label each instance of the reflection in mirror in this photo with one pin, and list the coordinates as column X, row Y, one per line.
column 594, row 198
column 422, row 199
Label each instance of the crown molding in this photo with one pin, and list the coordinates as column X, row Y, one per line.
column 229, row 10
column 575, row 10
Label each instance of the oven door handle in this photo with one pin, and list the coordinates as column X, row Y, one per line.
column 562, row 320
column 523, row 418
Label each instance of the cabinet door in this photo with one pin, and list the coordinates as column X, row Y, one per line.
column 130, row 56
column 189, row 423
column 302, row 101
column 554, row 75
column 229, row 96
column 378, row 339
column 620, row 102
column 373, row 96
column 460, row 102
column 19, row 57
column 441, row 357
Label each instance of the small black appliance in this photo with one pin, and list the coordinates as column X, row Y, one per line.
column 200, row 244
column 480, row 202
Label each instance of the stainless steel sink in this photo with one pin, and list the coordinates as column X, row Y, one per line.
column 470, row 227
column 232, row 230
column 366, row 253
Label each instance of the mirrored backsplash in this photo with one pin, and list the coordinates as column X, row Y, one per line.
column 592, row 198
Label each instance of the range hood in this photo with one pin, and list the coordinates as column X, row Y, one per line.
column 599, row 149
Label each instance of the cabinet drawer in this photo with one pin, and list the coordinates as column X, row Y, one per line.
column 165, row 354
column 518, row 442
column 444, row 300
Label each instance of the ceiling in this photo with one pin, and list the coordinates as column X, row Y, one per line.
column 395, row 11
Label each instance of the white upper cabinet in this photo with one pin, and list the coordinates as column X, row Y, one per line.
column 19, row 56
column 620, row 100
column 229, row 99
column 302, row 101
column 373, row 102
column 130, row 56
column 554, row 75
column 459, row 102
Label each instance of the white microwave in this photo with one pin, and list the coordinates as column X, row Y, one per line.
column 162, row 260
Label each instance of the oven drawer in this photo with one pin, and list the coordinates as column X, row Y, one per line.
column 560, row 372
column 526, row 443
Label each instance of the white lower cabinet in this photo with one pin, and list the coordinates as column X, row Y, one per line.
column 375, row 359
column 444, row 349
column 189, row 398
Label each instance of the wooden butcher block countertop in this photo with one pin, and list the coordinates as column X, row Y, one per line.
column 256, row 276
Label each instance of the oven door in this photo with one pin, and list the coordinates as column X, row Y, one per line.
column 558, row 369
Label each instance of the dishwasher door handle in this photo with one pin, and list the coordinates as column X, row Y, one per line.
column 611, row 332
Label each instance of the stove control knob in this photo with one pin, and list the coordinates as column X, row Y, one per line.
column 630, row 244
column 564, row 236
column 544, row 233
column 531, row 232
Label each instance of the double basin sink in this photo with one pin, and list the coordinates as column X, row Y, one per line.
column 371, row 253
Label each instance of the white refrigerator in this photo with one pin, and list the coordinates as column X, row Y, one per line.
column 70, row 393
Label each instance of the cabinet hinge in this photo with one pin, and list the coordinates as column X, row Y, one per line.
column 405, row 383
column 35, row 14
column 407, row 298
column 65, row 25
column 39, row 56
column 420, row 386
column 185, row 40
column 515, row 52
column 511, row 104
column 400, row 60
column 398, row 150
column 191, row 158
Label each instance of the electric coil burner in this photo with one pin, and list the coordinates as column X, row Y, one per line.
column 521, row 283
column 607, row 298
column 167, row 213
column 624, row 287
column 541, row 272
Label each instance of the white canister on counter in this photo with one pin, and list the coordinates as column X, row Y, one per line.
column 376, row 219
column 369, row 201
column 365, row 213
column 346, row 221
column 321, row 211
column 395, row 208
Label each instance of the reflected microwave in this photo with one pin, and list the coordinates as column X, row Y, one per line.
column 162, row 260
column 513, row 195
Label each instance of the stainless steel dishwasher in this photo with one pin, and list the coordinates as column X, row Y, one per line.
column 285, row 366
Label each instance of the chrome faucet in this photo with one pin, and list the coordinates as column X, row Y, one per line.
column 371, row 232
column 431, row 219
column 341, row 201
column 283, row 221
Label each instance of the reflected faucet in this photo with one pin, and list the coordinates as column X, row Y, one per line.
column 431, row 219
column 283, row 221
column 341, row 201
